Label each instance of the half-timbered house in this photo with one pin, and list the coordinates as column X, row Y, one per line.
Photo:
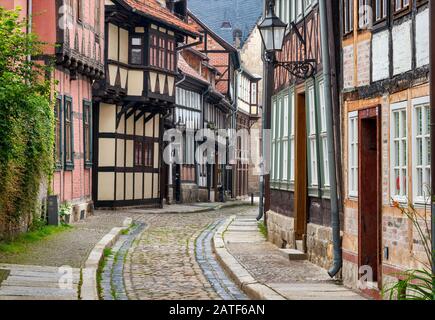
column 299, row 215
column 385, row 125
column 142, row 38
column 221, row 105
column 73, row 31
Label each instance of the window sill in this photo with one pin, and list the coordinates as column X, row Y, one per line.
column 69, row 167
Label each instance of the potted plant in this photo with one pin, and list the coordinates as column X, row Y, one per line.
column 65, row 213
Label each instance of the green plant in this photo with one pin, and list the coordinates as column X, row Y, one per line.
column 26, row 124
column 65, row 209
column 415, row 284
column 263, row 229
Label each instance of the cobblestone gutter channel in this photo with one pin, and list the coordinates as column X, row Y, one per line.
column 214, row 273
column 112, row 280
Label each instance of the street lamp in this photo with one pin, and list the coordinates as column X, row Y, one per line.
column 272, row 30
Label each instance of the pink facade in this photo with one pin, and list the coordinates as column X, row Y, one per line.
column 74, row 33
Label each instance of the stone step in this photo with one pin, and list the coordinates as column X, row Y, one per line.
column 293, row 254
column 300, row 245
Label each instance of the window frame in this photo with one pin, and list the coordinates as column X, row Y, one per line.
column 131, row 47
column 353, row 166
column 421, row 102
column 378, row 23
column 87, row 145
column 399, row 107
column 323, row 135
column 347, row 32
column 58, row 145
column 312, row 139
column 403, row 11
column 68, row 163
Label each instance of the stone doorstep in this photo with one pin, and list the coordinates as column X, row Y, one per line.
column 293, row 254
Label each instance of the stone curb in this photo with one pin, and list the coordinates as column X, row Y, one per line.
column 208, row 209
column 244, row 280
column 88, row 289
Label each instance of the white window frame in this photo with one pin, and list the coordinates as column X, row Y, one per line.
column 424, row 103
column 285, row 138
column 312, row 137
column 399, row 107
column 324, row 135
column 353, row 154
column 292, row 137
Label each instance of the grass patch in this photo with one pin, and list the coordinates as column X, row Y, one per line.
column 106, row 253
column 127, row 231
column 19, row 245
column 263, row 229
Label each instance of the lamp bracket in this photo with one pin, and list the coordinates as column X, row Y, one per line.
column 300, row 69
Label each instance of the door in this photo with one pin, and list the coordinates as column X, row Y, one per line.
column 301, row 167
column 370, row 192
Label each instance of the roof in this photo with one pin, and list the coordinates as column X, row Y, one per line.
column 154, row 10
column 186, row 69
column 237, row 14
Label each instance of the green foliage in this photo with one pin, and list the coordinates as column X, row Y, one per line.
column 21, row 243
column 415, row 284
column 26, row 124
column 263, row 229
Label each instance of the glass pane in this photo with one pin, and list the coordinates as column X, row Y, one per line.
column 136, row 41
column 136, row 56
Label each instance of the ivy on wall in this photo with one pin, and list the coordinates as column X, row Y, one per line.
column 26, row 124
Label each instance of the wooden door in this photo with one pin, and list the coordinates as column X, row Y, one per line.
column 370, row 191
column 300, row 167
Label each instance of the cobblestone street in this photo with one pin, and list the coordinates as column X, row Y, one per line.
column 162, row 264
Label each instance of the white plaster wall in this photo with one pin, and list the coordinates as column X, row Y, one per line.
column 402, row 53
column 380, row 52
column 349, row 67
column 422, row 38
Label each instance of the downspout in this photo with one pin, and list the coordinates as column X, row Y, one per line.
column 29, row 21
column 335, row 216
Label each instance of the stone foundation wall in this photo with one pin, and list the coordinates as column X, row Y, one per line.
column 202, row 195
column 280, row 230
column 349, row 273
column 319, row 245
column 189, row 193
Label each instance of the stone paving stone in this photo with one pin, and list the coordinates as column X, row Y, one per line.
column 162, row 264
column 267, row 265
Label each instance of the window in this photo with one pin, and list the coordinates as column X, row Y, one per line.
column 364, row 13
column 324, row 134
column 138, row 156
column 58, row 132
column 380, row 10
column 148, row 151
column 143, row 153
column 312, row 138
column 136, row 50
column 401, row 5
column 171, row 55
column 292, row 137
column 347, row 16
column 69, row 136
column 87, row 144
column 399, row 149
column 422, row 152
column 353, row 154
column 273, row 166
column 285, row 150
column 299, row 9
column 79, row 10
column 97, row 16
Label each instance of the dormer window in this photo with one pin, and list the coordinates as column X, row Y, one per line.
column 136, row 51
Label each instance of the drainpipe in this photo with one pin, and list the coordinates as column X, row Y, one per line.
column 335, row 217
column 432, row 129
column 29, row 21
